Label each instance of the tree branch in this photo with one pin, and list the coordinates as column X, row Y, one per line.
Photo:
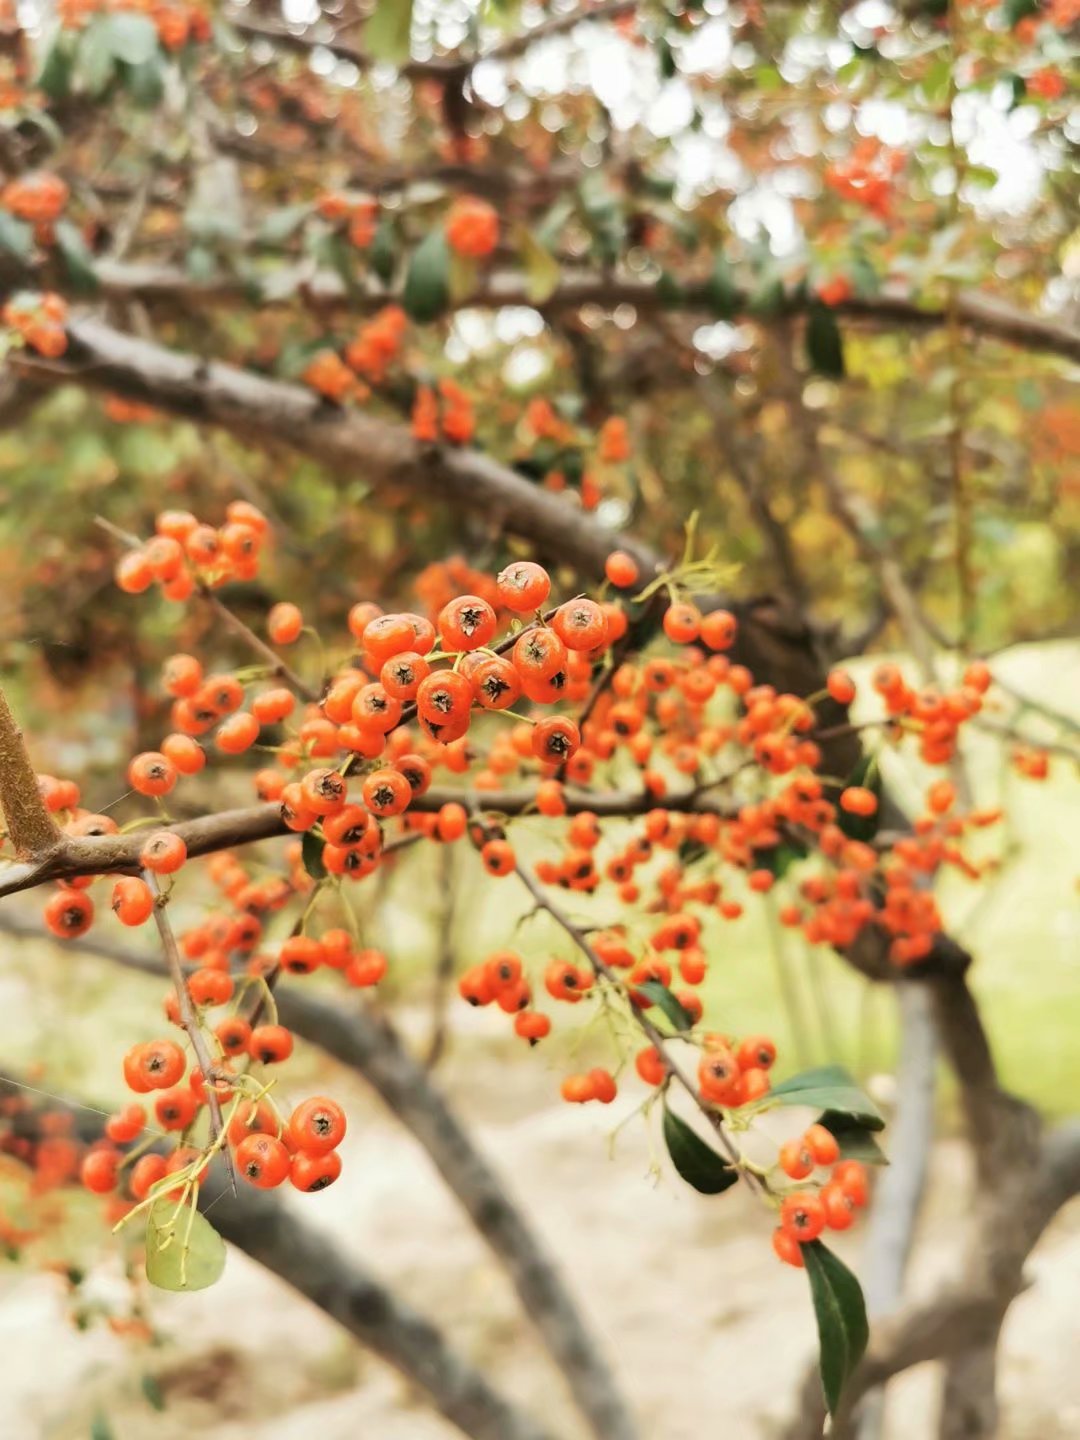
column 30, row 827
column 342, row 1288
column 893, row 307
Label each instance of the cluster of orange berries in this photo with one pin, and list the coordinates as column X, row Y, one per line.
column 866, row 176
column 368, row 355
column 804, row 1213
column 445, row 412
column 37, row 198
column 835, row 291
column 40, row 320
column 472, row 227
column 359, row 213
column 184, row 551
column 267, row 1150
column 176, row 22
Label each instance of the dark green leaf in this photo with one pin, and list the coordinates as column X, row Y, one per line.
column 721, row 292
column 427, row 283
column 824, row 347
column 145, row 83
column 841, row 1318
column 55, row 77
column 1013, row 11
column 153, row 1392
column 311, row 852
column 77, row 258
column 382, row 252
column 387, row 33
column 781, row 857
column 867, row 774
column 666, row 58
column 16, row 237
column 183, row 1252
column 660, row 995
column 697, row 1163
column 828, row 1087
column 855, row 1140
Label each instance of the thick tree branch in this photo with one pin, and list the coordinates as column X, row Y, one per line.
column 30, row 828
column 342, row 1288
column 368, row 1045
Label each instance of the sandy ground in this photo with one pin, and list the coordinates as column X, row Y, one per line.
column 707, row 1332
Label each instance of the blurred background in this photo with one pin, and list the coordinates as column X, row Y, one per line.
column 778, row 214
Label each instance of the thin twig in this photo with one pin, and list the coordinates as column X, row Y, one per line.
column 188, row 1018
column 653, row 1035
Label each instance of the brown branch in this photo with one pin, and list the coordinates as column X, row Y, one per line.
column 368, row 1045
column 892, row 308
column 314, row 1266
column 30, row 827
column 442, row 67
column 113, row 854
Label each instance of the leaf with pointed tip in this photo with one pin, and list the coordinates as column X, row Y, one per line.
column 854, row 1139
column 824, row 346
column 697, row 1163
column 427, row 282
column 675, row 1011
column 840, row 1311
column 828, row 1088
column 311, row 851
column 77, row 258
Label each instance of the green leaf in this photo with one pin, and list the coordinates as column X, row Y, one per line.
column 666, row 58
column 855, row 1140
column 697, row 1163
column 56, row 69
column 311, row 852
column 155, row 1397
column 95, row 62
column 77, row 258
column 145, row 83
column 841, row 1318
column 427, row 283
column 387, row 33
column 1013, row 11
column 540, row 266
column 660, row 995
column 721, row 291
column 100, row 1429
column 132, row 38
column 183, row 1252
column 383, row 252
column 16, row 237
column 824, row 347
column 828, row 1087
column 278, row 225
column 867, row 774
column 781, row 857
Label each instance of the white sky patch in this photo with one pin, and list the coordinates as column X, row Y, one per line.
column 763, row 212
column 708, row 50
